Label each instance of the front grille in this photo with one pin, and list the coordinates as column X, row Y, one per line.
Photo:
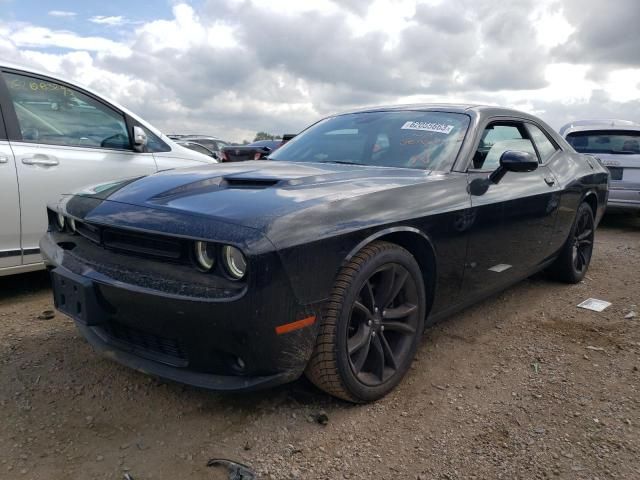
column 141, row 243
column 131, row 242
column 88, row 231
column 147, row 342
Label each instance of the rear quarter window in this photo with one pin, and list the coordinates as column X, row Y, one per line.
column 545, row 147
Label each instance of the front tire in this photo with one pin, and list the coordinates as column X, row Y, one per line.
column 574, row 259
column 371, row 325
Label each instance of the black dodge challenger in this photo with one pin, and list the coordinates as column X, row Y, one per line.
column 330, row 257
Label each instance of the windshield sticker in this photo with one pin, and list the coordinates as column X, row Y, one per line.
column 428, row 127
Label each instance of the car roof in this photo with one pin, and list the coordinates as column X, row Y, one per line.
column 598, row 124
column 468, row 108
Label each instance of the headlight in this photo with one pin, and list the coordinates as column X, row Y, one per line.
column 71, row 225
column 234, row 262
column 205, row 255
column 60, row 222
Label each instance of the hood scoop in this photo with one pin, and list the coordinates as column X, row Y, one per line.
column 250, row 183
column 212, row 184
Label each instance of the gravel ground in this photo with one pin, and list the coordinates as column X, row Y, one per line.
column 522, row 386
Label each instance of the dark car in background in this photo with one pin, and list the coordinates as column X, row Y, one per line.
column 270, row 144
column 213, row 144
column 616, row 143
column 329, row 257
column 197, row 147
column 254, row 151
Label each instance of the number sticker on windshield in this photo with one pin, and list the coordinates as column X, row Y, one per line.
column 428, row 127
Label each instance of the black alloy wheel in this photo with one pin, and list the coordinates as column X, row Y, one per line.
column 371, row 325
column 583, row 241
column 574, row 258
column 383, row 323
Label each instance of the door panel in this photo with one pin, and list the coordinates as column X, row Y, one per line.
column 47, row 171
column 513, row 230
column 10, row 253
column 515, row 218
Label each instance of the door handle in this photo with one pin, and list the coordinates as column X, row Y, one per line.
column 549, row 181
column 44, row 160
column 4, row 159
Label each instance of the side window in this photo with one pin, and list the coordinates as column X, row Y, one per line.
column 497, row 139
column 544, row 145
column 55, row 114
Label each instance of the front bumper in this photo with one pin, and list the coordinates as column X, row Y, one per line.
column 131, row 358
column 225, row 344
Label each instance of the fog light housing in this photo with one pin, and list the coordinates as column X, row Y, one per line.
column 205, row 255
column 234, row 261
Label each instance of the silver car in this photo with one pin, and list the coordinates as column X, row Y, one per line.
column 617, row 144
column 55, row 138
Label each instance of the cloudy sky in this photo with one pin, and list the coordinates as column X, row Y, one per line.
column 233, row 67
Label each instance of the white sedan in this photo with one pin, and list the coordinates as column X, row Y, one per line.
column 55, row 138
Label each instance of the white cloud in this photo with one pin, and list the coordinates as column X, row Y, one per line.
column 112, row 21
column 185, row 31
column 287, row 7
column 552, row 27
column 232, row 67
column 61, row 13
column 388, row 16
column 624, row 85
column 29, row 36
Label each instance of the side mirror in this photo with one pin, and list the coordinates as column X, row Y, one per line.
column 139, row 139
column 514, row 161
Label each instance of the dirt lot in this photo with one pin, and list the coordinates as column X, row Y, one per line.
column 522, row 386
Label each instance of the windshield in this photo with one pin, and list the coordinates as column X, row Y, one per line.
column 409, row 139
column 605, row 141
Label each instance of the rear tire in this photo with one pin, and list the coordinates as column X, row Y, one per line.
column 574, row 259
column 371, row 325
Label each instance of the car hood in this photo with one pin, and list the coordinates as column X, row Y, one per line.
column 251, row 193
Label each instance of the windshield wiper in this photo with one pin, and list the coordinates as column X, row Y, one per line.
column 342, row 162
